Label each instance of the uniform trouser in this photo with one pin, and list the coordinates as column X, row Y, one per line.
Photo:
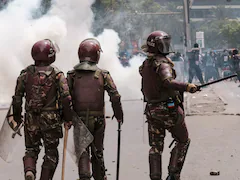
column 211, row 71
column 237, row 70
column 195, row 70
column 96, row 126
column 160, row 119
column 50, row 138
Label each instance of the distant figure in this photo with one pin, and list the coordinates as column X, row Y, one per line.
column 194, row 64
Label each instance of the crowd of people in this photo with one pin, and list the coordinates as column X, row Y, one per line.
column 127, row 50
column 207, row 65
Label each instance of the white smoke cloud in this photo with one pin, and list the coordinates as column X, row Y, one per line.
column 67, row 23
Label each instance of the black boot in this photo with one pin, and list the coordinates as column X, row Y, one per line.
column 173, row 177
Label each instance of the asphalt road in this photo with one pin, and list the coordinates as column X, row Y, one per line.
column 214, row 145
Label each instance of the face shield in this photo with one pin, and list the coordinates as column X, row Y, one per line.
column 164, row 44
column 54, row 46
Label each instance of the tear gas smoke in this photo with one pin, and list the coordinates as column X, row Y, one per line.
column 68, row 22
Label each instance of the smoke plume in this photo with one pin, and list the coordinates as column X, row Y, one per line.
column 67, row 23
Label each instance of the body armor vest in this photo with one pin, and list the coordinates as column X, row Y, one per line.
column 41, row 88
column 88, row 91
column 152, row 86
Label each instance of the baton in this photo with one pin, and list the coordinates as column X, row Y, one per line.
column 219, row 80
column 118, row 150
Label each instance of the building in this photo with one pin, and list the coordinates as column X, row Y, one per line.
column 206, row 9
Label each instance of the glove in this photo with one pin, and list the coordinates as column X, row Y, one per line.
column 68, row 125
column 192, row 88
column 18, row 119
column 120, row 121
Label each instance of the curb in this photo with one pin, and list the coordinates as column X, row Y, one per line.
column 220, row 97
column 213, row 114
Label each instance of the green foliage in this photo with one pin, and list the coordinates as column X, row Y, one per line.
column 231, row 33
column 221, row 33
column 133, row 19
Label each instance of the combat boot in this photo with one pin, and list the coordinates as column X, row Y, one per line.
column 173, row 177
column 29, row 175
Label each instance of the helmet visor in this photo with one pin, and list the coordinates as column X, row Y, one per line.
column 54, row 45
column 164, row 44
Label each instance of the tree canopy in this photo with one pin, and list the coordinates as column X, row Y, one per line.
column 135, row 18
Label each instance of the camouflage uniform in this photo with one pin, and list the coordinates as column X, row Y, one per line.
column 46, row 91
column 164, row 112
column 87, row 84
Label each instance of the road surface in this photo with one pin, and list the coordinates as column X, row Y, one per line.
column 214, row 145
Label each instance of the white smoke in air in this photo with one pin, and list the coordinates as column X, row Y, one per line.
column 67, row 23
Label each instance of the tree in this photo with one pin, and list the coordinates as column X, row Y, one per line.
column 134, row 19
column 230, row 32
column 220, row 31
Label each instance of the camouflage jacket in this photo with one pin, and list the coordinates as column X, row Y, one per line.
column 158, row 79
column 62, row 95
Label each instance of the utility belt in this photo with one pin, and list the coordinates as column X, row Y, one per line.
column 40, row 110
column 170, row 103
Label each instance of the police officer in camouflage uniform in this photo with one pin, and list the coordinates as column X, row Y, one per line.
column 46, row 92
column 164, row 109
column 87, row 84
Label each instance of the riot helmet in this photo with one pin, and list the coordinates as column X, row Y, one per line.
column 89, row 50
column 44, row 52
column 158, row 42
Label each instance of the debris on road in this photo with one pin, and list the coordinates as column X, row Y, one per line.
column 204, row 102
column 215, row 173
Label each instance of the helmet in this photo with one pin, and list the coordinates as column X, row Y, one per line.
column 158, row 42
column 44, row 52
column 235, row 51
column 89, row 50
column 196, row 45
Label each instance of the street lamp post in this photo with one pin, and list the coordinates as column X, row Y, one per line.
column 187, row 33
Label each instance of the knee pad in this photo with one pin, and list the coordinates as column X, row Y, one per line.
column 84, row 166
column 51, row 158
column 178, row 155
column 29, row 164
column 155, row 166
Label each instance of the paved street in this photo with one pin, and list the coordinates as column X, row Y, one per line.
column 214, row 146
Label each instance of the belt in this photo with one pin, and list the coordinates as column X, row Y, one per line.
column 36, row 110
column 176, row 99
